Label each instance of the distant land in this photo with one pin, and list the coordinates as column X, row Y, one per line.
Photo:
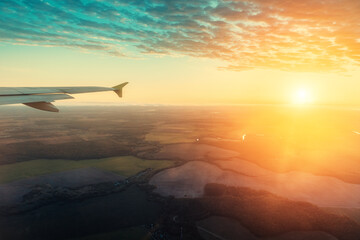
column 161, row 172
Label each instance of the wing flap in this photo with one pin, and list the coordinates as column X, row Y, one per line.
column 32, row 98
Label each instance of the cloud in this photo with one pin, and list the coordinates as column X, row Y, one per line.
column 289, row 35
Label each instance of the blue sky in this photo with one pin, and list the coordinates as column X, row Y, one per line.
column 291, row 35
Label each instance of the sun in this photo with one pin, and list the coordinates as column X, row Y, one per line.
column 302, row 96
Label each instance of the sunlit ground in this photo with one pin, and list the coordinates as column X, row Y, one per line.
column 314, row 139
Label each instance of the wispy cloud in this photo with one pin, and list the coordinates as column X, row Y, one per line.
column 293, row 35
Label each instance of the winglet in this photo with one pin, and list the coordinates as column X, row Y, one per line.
column 118, row 89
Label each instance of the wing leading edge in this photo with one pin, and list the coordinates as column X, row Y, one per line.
column 41, row 98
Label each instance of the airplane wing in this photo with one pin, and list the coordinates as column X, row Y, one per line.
column 41, row 97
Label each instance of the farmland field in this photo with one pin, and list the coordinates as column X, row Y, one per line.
column 125, row 166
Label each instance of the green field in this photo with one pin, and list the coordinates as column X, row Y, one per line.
column 169, row 138
column 125, row 166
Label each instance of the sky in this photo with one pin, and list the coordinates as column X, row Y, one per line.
column 186, row 52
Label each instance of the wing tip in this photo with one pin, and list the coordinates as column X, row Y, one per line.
column 118, row 88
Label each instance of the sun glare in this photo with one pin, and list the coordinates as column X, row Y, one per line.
column 301, row 96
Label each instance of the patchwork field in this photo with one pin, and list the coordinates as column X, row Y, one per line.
column 193, row 151
column 108, row 214
column 75, row 164
column 124, row 166
column 216, row 227
column 132, row 233
column 189, row 180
